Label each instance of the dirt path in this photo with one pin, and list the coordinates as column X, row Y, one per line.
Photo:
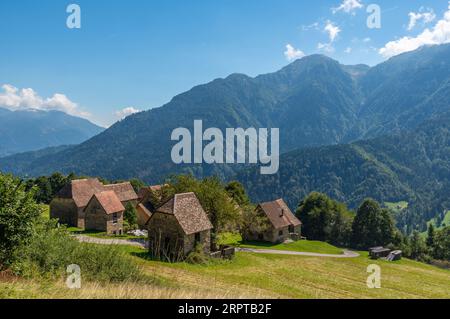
column 346, row 254
column 142, row 243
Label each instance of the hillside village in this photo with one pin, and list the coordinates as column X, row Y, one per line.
column 174, row 228
column 202, row 237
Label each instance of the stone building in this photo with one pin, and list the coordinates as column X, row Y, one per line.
column 143, row 215
column 69, row 204
column 281, row 223
column 104, row 212
column 178, row 226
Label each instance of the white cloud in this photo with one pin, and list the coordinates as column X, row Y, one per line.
column 366, row 40
column 439, row 34
column 27, row 99
column 348, row 6
column 292, row 54
column 332, row 30
column 126, row 112
column 348, row 50
column 313, row 26
column 426, row 15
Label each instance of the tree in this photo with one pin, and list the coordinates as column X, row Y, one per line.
column 418, row 246
column 325, row 219
column 137, row 184
column 18, row 213
column 222, row 211
column 373, row 226
column 431, row 235
column 237, row 191
column 441, row 247
column 130, row 216
column 44, row 193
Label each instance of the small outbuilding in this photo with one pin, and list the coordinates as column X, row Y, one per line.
column 175, row 228
column 104, row 212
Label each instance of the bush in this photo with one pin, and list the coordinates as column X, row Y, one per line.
column 52, row 249
column 18, row 213
column 197, row 256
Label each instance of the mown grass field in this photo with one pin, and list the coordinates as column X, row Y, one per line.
column 302, row 246
column 255, row 276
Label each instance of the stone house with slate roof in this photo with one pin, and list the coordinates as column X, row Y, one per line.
column 179, row 225
column 70, row 203
column 282, row 223
column 104, row 212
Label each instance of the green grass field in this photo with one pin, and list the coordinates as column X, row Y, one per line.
column 256, row 276
column 302, row 246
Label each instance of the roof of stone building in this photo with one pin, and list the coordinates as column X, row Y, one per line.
column 145, row 210
column 145, row 192
column 279, row 214
column 81, row 190
column 189, row 213
column 124, row 191
column 110, row 202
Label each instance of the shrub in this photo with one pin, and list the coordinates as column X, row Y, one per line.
column 197, row 256
column 18, row 213
column 51, row 250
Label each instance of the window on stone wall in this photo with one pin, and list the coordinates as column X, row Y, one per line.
column 115, row 218
column 280, row 233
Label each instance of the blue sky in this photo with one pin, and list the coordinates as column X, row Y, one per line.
column 138, row 54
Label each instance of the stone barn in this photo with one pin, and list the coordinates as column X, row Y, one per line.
column 104, row 212
column 69, row 204
column 178, row 226
column 281, row 223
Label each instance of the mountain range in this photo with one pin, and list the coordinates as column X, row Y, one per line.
column 30, row 130
column 322, row 109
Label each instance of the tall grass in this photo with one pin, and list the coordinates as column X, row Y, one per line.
column 52, row 249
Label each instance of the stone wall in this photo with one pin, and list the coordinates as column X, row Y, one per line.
column 205, row 240
column 165, row 235
column 97, row 219
column 65, row 211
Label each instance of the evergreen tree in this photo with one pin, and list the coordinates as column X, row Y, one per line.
column 431, row 235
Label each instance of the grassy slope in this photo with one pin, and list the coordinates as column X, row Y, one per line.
column 258, row 276
column 303, row 245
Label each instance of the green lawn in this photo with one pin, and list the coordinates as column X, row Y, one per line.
column 302, row 246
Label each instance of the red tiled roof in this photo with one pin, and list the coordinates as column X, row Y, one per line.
column 279, row 214
column 110, row 202
column 189, row 213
